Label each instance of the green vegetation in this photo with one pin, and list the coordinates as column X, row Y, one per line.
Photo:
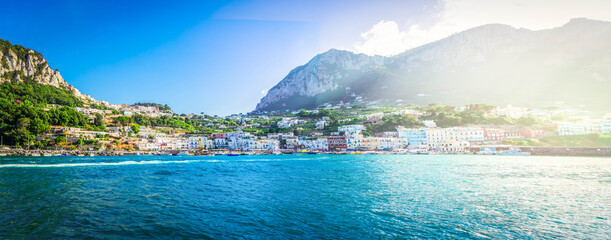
column 162, row 107
column 478, row 114
column 187, row 124
column 390, row 123
column 38, row 94
column 135, row 128
column 22, row 114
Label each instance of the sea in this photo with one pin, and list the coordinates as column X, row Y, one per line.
column 305, row 197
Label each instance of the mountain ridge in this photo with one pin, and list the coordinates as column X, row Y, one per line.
column 463, row 68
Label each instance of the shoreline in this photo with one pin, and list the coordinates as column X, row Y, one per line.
column 534, row 151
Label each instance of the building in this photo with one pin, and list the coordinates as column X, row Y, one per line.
column 605, row 127
column 494, row 135
column 454, row 146
column 291, row 142
column 266, row 145
column 337, row 143
column 531, row 133
column 317, row 144
column 196, row 143
column 220, row 143
column 437, row 136
column 351, row 129
column 416, row 138
column 218, row 135
column 279, row 136
column 354, row 142
column 385, row 143
column 289, row 122
column 429, row 124
column 583, row 128
column 321, row 124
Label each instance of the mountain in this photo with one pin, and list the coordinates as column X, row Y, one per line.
column 24, row 65
column 20, row 64
column 493, row 64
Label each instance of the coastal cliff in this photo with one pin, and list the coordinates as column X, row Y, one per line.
column 20, row 64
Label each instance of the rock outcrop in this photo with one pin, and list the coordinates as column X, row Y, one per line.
column 20, row 64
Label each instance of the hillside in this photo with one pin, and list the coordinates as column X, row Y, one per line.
column 494, row 64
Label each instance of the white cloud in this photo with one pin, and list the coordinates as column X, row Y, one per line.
column 388, row 38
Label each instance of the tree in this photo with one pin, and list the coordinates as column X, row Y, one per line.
column 20, row 134
column 135, row 128
column 38, row 126
column 98, row 120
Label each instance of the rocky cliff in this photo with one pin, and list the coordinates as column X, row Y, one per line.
column 495, row 64
column 20, row 64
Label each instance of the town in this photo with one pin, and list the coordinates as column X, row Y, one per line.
column 147, row 128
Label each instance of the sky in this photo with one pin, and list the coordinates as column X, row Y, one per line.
column 221, row 57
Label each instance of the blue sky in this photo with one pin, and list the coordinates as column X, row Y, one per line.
column 219, row 57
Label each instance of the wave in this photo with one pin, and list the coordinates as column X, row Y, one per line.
column 97, row 164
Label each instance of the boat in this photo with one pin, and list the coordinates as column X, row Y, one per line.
column 80, row 155
column 47, row 154
column 2, row 154
column 312, row 152
column 513, row 152
column 65, row 154
column 487, row 151
column 233, row 155
column 182, row 154
column 35, row 154
column 355, row 153
column 92, row 155
column 419, row 151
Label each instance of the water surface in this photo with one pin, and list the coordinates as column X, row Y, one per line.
column 305, row 196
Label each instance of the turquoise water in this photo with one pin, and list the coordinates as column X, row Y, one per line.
column 305, row 197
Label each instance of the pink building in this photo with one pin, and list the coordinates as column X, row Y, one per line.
column 493, row 134
column 218, row 135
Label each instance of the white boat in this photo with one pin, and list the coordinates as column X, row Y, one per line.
column 513, row 152
column 2, row 154
column 92, row 155
column 47, row 154
column 35, row 154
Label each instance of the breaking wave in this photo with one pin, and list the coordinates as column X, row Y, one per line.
column 96, row 164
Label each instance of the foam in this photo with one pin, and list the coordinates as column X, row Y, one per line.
column 96, row 164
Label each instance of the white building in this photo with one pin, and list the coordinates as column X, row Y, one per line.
column 279, row 136
column 437, row 136
column 354, row 141
column 220, row 142
column 429, row 124
column 454, row 146
column 195, row 143
column 266, row 145
column 351, row 129
column 605, row 126
column 583, row 128
column 321, row 124
column 288, row 122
